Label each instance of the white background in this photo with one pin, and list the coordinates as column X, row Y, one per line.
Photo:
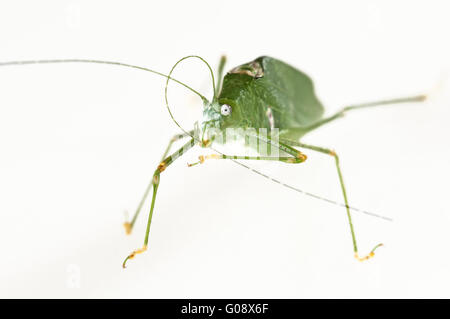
column 80, row 142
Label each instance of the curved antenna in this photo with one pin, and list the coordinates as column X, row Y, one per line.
column 25, row 62
column 203, row 98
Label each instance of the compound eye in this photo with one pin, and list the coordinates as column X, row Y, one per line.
column 225, row 110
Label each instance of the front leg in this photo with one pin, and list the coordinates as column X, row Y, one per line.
column 294, row 156
column 155, row 183
column 129, row 225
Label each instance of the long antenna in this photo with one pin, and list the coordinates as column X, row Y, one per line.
column 298, row 190
column 27, row 62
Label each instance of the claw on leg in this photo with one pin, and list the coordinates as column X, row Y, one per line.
column 370, row 255
column 202, row 158
column 127, row 226
column 133, row 254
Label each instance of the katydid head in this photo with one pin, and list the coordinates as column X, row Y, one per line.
column 210, row 123
column 216, row 118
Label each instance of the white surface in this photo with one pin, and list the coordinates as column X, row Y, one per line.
column 79, row 143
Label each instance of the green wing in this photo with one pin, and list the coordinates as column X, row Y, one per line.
column 268, row 82
column 293, row 91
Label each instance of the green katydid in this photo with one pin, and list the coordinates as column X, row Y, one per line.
column 263, row 94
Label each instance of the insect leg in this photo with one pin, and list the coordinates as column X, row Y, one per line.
column 129, row 225
column 342, row 112
column 344, row 193
column 155, row 183
column 286, row 159
column 295, row 155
